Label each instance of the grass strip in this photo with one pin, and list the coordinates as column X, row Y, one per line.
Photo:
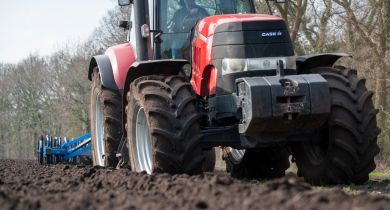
column 380, row 174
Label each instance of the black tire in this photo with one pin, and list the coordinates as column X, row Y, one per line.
column 265, row 163
column 210, row 159
column 172, row 116
column 111, row 106
column 343, row 150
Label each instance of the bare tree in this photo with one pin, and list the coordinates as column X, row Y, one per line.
column 108, row 33
column 293, row 13
column 370, row 20
column 315, row 29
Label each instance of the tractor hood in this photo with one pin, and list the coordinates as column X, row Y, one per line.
column 239, row 36
column 210, row 25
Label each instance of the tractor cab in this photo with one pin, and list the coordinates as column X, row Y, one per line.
column 167, row 26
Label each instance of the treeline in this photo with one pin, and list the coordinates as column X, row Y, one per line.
column 51, row 94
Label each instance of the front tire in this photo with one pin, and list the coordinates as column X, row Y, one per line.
column 343, row 150
column 163, row 126
column 106, row 114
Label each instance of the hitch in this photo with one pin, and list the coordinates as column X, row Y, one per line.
column 122, row 154
column 293, row 100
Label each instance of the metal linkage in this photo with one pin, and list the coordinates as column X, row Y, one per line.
column 122, row 154
column 59, row 150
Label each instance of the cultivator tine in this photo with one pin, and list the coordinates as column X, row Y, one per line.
column 40, row 150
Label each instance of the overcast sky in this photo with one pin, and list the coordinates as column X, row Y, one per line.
column 42, row 26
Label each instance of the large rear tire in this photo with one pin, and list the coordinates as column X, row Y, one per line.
column 163, row 128
column 265, row 163
column 343, row 150
column 105, row 116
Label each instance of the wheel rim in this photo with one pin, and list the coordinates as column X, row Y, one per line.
column 237, row 154
column 143, row 143
column 99, row 132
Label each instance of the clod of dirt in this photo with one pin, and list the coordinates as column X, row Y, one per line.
column 223, row 180
column 65, row 167
column 25, row 186
column 289, row 183
column 89, row 172
column 201, row 205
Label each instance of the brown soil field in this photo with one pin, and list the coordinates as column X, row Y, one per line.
column 25, row 185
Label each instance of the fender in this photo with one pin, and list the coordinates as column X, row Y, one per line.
column 307, row 62
column 105, row 70
column 113, row 65
column 145, row 68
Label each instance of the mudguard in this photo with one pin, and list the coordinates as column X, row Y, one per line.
column 307, row 62
column 105, row 69
column 113, row 65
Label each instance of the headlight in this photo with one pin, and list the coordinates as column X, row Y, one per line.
column 233, row 65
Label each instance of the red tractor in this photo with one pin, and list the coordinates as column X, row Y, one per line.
column 200, row 74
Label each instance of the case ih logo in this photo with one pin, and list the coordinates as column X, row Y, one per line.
column 271, row 34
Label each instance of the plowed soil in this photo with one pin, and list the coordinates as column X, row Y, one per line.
column 24, row 185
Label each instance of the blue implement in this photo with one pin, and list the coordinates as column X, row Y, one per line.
column 59, row 150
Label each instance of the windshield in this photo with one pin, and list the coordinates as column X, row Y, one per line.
column 178, row 17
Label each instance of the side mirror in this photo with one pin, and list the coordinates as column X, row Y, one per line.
column 124, row 2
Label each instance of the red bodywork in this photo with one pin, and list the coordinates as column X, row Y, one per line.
column 204, row 74
column 121, row 58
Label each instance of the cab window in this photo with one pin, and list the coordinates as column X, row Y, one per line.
column 178, row 17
